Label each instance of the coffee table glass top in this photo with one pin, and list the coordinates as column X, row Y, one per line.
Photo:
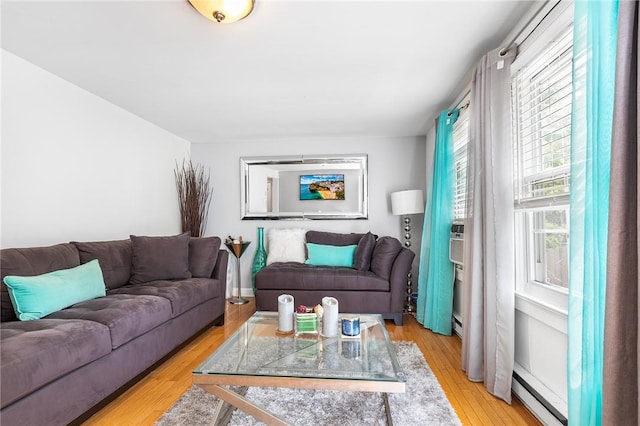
column 256, row 349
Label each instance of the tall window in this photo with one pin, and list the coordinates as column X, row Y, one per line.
column 541, row 99
column 460, row 142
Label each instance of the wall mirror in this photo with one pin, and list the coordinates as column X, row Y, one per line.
column 304, row 187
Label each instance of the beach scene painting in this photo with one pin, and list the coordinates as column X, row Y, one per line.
column 322, row 187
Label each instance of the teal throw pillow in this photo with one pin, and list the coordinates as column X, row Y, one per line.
column 326, row 255
column 38, row 296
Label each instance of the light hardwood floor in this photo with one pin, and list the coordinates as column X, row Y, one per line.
column 147, row 400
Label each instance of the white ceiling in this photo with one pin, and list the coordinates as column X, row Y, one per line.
column 293, row 68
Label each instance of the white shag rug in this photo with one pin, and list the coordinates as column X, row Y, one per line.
column 423, row 403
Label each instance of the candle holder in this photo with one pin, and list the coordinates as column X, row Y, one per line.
column 238, row 249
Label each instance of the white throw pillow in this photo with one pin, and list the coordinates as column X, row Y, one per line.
column 286, row 245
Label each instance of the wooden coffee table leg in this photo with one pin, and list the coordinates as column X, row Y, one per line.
column 245, row 405
column 222, row 417
column 217, row 412
column 387, row 409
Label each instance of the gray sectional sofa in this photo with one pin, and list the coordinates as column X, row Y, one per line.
column 160, row 292
column 375, row 283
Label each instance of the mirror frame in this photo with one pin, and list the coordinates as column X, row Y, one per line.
column 299, row 162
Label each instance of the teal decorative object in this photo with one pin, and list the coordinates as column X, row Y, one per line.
column 259, row 259
column 37, row 296
column 320, row 254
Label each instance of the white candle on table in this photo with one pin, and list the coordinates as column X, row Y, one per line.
column 330, row 317
column 285, row 313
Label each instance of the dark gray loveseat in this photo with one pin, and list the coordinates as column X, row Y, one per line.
column 56, row 368
column 375, row 284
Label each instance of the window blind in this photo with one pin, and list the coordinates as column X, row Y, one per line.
column 460, row 142
column 541, row 94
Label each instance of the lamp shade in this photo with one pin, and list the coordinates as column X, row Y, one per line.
column 407, row 202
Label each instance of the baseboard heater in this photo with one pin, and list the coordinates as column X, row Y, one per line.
column 457, row 326
column 550, row 408
column 457, row 322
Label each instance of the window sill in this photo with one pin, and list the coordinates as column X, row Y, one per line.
column 550, row 314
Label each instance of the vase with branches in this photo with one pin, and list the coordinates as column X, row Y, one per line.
column 194, row 197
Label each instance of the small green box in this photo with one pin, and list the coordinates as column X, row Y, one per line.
column 306, row 323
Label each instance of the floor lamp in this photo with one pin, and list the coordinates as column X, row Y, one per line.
column 406, row 203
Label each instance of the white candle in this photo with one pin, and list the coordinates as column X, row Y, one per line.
column 285, row 313
column 330, row 317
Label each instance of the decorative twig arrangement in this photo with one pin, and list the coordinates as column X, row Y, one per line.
column 194, row 197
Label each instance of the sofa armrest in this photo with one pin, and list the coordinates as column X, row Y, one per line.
column 220, row 271
column 398, row 280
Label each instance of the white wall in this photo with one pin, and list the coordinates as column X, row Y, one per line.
column 541, row 349
column 76, row 167
column 394, row 164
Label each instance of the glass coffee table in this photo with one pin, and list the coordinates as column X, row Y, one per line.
column 258, row 355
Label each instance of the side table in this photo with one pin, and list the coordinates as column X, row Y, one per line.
column 237, row 249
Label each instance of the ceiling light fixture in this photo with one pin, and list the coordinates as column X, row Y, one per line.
column 223, row 11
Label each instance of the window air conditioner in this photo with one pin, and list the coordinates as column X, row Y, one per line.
column 456, row 243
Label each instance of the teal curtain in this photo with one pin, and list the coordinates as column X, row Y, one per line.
column 595, row 32
column 435, row 276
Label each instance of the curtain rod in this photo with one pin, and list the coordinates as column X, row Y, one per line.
column 463, row 107
column 504, row 50
column 533, row 17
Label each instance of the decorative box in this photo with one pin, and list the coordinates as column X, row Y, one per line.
column 306, row 323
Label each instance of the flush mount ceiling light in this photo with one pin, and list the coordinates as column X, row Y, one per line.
column 223, row 11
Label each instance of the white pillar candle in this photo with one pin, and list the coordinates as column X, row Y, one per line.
column 285, row 313
column 330, row 317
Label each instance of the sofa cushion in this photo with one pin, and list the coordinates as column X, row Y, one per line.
column 324, row 255
column 38, row 296
column 159, row 258
column 203, row 254
column 29, row 262
column 298, row 276
column 126, row 316
column 365, row 242
column 183, row 295
column 362, row 256
column 384, row 254
column 333, row 238
column 286, row 245
column 114, row 258
column 35, row 353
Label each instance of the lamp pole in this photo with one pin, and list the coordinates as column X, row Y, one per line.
column 406, row 203
column 408, row 307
